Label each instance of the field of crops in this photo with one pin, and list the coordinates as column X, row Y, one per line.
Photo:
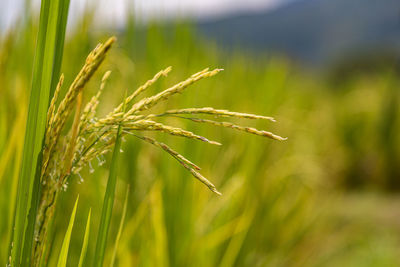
column 326, row 196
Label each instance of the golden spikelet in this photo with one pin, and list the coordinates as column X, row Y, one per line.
column 90, row 108
column 214, row 112
column 57, row 122
column 240, row 128
column 166, row 148
column 93, row 61
column 142, row 88
column 148, row 125
column 52, row 106
column 149, row 102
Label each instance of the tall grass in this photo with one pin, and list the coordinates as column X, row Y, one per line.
column 272, row 193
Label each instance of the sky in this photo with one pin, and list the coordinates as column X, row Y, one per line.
column 114, row 11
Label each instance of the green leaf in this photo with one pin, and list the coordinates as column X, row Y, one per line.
column 62, row 259
column 48, row 56
column 51, row 67
column 60, row 38
column 108, row 203
column 121, row 226
column 85, row 241
column 32, row 135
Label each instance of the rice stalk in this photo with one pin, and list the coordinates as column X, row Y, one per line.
column 120, row 228
column 108, row 202
column 90, row 137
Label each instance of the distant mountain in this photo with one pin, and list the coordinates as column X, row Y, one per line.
column 313, row 31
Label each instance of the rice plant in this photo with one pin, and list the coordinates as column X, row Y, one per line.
column 50, row 157
column 90, row 137
column 269, row 213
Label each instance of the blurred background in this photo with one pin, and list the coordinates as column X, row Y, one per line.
column 327, row 70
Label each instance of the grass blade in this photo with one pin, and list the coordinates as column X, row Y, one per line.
column 108, row 202
column 121, row 226
column 59, row 46
column 33, row 135
column 53, row 48
column 85, row 241
column 62, row 259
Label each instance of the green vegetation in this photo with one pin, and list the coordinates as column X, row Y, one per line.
column 282, row 204
column 62, row 259
column 47, row 62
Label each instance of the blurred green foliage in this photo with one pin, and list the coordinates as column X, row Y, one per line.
column 283, row 204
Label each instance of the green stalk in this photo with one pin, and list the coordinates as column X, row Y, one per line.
column 108, row 203
column 48, row 56
column 120, row 228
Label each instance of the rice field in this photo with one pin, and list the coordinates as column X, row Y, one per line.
column 108, row 155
